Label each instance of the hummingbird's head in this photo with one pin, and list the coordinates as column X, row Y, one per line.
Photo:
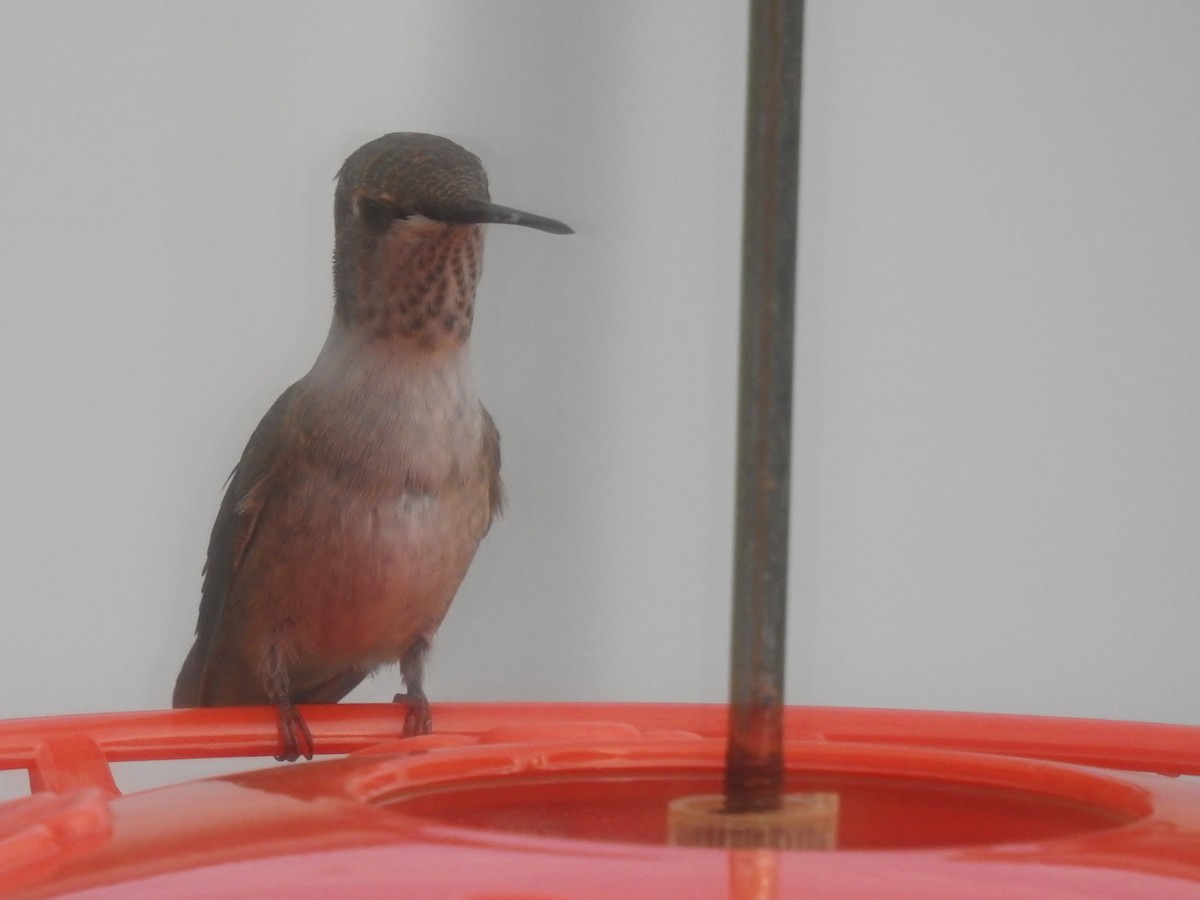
column 409, row 212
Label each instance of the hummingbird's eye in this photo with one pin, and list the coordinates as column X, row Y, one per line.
column 377, row 214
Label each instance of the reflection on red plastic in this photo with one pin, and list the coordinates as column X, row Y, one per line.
column 37, row 833
column 543, row 800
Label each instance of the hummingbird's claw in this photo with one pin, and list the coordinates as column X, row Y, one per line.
column 417, row 720
column 294, row 735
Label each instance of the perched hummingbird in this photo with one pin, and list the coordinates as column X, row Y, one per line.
column 358, row 504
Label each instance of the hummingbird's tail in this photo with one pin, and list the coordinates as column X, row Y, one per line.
column 187, row 685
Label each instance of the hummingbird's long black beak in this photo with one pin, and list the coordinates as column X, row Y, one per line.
column 480, row 212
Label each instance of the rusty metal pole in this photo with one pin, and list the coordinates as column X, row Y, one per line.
column 754, row 763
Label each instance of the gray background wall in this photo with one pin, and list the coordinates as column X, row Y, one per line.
column 997, row 492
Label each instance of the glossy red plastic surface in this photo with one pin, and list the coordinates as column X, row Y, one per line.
column 542, row 801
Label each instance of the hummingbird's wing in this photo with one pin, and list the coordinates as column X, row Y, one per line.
column 491, row 463
column 232, row 534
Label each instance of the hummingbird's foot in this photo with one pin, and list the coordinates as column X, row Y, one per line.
column 417, row 720
column 297, row 740
column 412, row 664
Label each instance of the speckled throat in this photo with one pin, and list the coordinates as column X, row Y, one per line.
column 414, row 280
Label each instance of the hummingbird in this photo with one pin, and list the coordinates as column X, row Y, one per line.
column 358, row 504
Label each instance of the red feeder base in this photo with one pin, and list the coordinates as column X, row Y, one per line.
column 570, row 801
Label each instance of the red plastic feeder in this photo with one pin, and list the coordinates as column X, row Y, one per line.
column 541, row 801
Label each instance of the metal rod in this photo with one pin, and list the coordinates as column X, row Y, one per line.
column 754, row 760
